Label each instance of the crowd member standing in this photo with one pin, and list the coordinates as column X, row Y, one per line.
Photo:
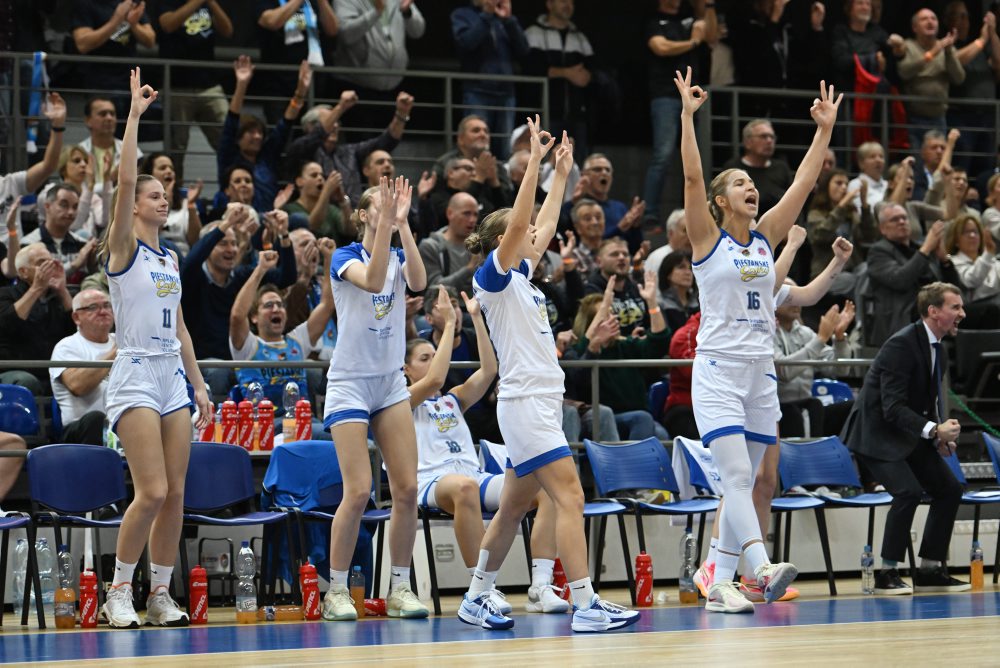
column 147, row 398
column 530, row 400
column 366, row 387
column 734, row 386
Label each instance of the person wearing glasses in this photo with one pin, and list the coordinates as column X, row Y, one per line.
column 771, row 176
column 80, row 391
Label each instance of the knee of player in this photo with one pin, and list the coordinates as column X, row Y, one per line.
column 467, row 493
column 152, row 495
column 355, row 499
column 765, row 482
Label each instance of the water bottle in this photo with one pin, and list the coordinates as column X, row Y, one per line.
column 976, row 566
column 559, row 580
column 244, row 414
column 108, row 436
column 230, row 422
column 255, row 393
column 688, row 592
column 20, row 572
column 309, row 582
column 246, row 592
column 46, row 566
column 88, row 600
column 198, row 595
column 303, row 420
column 867, row 571
column 643, row 580
column 65, row 597
column 289, row 398
column 265, row 425
column 357, row 583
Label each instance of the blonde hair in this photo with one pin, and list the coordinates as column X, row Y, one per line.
column 65, row 156
column 867, row 148
column 585, row 313
column 363, row 204
column 485, row 238
column 717, row 188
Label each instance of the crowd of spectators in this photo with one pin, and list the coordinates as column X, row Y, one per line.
column 253, row 256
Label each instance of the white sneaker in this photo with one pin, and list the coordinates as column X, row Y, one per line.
column 161, row 610
column 338, row 606
column 545, row 598
column 602, row 616
column 481, row 611
column 402, row 602
column 500, row 601
column 774, row 579
column 726, row 597
column 118, row 608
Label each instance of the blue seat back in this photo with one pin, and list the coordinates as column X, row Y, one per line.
column 826, row 461
column 658, row 393
column 992, row 444
column 219, row 475
column 57, row 426
column 18, row 410
column 640, row 465
column 956, row 468
column 831, row 391
column 494, row 457
column 72, row 478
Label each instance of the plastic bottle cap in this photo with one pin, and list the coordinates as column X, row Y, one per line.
column 246, row 543
column 64, row 548
column 357, row 568
column 868, row 548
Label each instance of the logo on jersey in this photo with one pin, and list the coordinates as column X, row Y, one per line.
column 750, row 269
column 383, row 305
column 543, row 311
column 199, row 22
column 165, row 284
column 443, row 421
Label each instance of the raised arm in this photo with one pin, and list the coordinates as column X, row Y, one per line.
column 431, row 383
column 813, row 291
column 121, row 236
column 239, row 325
column 509, row 251
column 796, row 237
column 243, row 70
column 473, row 389
column 320, row 315
column 548, row 215
column 371, row 278
column 55, row 111
column 275, row 19
column 774, row 224
column 413, row 269
column 702, row 229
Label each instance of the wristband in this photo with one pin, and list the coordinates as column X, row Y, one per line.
column 653, row 311
column 928, row 56
column 55, row 129
column 294, row 103
column 980, row 42
column 402, row 118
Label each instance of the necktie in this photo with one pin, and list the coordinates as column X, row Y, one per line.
column 939, row 402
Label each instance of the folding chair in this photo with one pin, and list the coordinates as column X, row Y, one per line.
column 992, row 444
column 31, row 580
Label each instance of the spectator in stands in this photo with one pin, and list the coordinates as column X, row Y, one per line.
column 588, row 222
column 674, row 40
column 678, row 414
column 243, row 141
column 899, row 431
column 678, row 294
column 257, row 331
column 898, row 268
column 951, row 192
column 559, row 51
column 620, row 219
column 446, row 258
column 236, row 187
column 983, row 178
column 322, row 140
column 302, row 297
column 78, row 167
column 980, row 57
column 614, row 267
column 901, row 185
column 211, row 278
column 80, row 391
column 101, row 119
column 793, row 341
column 35, row 313
column 871, row 162
column 863, row 38
column 112, row 29
column 932, row 149
column 78, row 257
column 974, row 253
column 184, row 221
column 677, row 240
column 187, row 30
column 517, row 165
column 991, row 216
column 478, row 178
column 759, row 34
column 289, row 34
column 472, row 141
column 489, row 41
column 323, row 204
column 832, row 214
column 557, row 278
column 770, row 176
column 373, row 35
column 809, row 52
column 623, row 389
column 927, row 66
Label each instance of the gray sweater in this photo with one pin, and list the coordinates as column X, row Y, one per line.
column 446, row 263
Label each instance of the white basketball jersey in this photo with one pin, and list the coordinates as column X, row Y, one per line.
column 372, row 327
column 145, row 296
column 443, row 438
column 736, row 293
column 519, row 329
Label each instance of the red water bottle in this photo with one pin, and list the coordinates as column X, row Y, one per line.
column 198, row 595
column 208, row 433
column 303, row 420
column 643, row 580
column 265, row 422
column 244, row 413
column 230, row 422
column 309, row 582
column 559, row 580
column 88, row 600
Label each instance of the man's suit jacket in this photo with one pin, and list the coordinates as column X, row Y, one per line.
column 897, row 399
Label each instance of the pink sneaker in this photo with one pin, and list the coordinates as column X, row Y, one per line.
column 703, row 578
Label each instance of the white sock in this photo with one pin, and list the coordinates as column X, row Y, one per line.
column 541, row 572
column 756, row 555
column 582, row 592
column 482, row 581
column 484, row 559
column 123, row 573
column 713, row 551
column 399, row 575
column 338, row 578
column 159, row 576
column 725, row 565
column 929, row 563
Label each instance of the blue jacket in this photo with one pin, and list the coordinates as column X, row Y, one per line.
column 265, row 170
column 487, row 44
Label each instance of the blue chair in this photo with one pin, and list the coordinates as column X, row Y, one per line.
column 55, row 432
column 31, row 581
column 831, row 391
column 18, row 410
column 642, row 465
column 69, row 480
column 992, row 444
column 976, row 499
column 658, row 393
column 220, row 478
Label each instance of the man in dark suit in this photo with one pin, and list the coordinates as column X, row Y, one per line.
column 898, row 429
